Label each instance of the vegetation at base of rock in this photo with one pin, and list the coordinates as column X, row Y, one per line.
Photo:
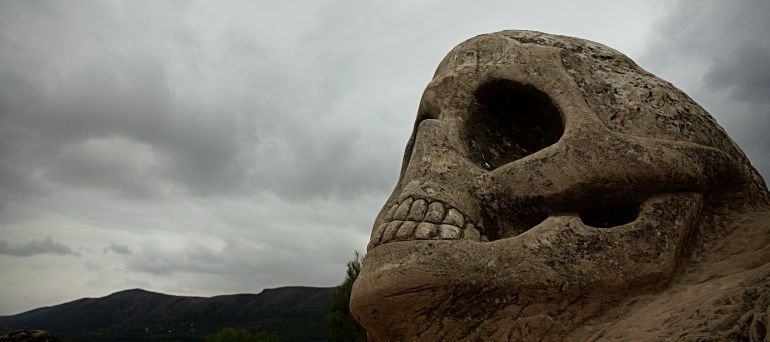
column 240, row 335
column 339, row 322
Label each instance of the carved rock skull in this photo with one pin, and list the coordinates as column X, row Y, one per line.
column 547, row 179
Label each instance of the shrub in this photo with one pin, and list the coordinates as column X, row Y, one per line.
column 339, row 322
column 233, row 335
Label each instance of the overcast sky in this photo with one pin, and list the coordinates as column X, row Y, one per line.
column 210, row 148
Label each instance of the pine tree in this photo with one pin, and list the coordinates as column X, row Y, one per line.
column 339, row 322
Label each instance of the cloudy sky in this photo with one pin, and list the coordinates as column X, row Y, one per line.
column 208, row 148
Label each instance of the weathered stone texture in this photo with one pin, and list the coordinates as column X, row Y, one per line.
column 554, row 190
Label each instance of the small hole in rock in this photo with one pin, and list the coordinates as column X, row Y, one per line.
column 504, row 220
column 607, row 216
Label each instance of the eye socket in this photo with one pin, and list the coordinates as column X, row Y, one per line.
column 509, row 121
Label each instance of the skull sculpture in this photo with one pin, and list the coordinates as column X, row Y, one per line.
column 551, row 187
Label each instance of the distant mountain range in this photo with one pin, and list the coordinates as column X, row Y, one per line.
column 295, row 313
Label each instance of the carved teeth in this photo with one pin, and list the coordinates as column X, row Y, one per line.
column 454, row 217
column 403, row 209
column 435, row 212
column 406, row 230
column 389, row 215
column 417, row 211
column 390, row 231
column 446, row 231
column 377, row 233
column 425, row 230
column 420, row 219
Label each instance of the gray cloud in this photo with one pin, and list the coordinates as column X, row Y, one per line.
column 300, row 112
column 207, row 147
column 270, row 265
column 195, row 147
column 260, row 120
column 35, row 247
column 744, row 73
column 718, row 51
column 118, row 249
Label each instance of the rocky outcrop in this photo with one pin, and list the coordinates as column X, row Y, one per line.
column 580, row 197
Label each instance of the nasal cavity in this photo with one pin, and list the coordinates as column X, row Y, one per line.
column 509, row 121
column 610, row 215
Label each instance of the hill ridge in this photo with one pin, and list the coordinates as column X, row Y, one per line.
column 295, row 312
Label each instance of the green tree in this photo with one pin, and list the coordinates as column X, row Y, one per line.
column 233, row 335
column 339, row 322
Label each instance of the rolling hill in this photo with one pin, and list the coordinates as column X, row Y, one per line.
column 296, row 313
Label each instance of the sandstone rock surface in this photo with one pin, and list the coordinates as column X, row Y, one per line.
column 554, row 190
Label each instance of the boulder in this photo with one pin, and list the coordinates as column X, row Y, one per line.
column 554, row 190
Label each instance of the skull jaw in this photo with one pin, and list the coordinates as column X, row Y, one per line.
column 559, row 271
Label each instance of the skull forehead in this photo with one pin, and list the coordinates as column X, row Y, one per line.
column 622, row 96
column 488, row 58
